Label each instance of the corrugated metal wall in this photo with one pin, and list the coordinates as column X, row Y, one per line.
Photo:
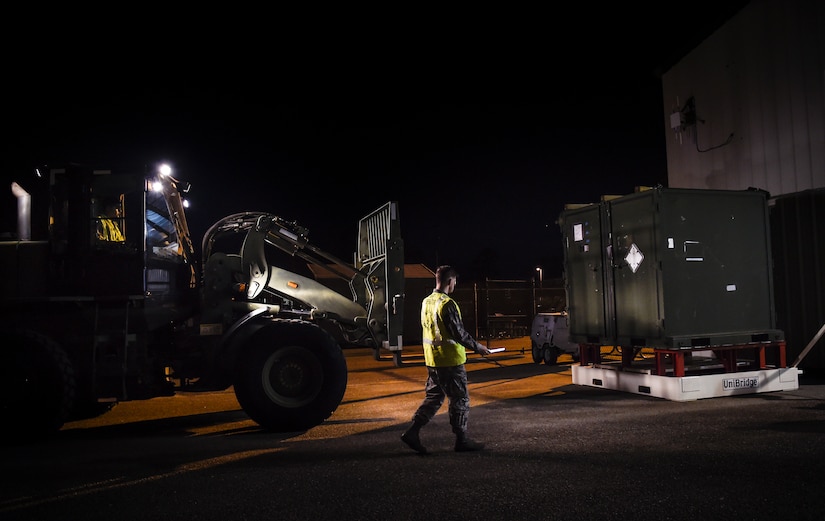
column 798, row 240
column 746, row 108
column 761, row 79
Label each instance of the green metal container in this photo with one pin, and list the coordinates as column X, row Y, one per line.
column 681, row 269
column 588, row 284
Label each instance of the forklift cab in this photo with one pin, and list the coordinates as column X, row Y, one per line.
column 109, row 219
column 112, row 234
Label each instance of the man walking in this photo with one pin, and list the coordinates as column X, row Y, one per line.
column 445, row 343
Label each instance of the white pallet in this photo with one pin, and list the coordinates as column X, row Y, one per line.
column 687, row 388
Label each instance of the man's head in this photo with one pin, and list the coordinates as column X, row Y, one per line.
column 445, row 278
column 113, row 210
column 111, row 207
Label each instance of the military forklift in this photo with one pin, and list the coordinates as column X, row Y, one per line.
column 105, row 299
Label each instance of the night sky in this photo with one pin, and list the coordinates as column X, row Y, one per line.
column 481, row 141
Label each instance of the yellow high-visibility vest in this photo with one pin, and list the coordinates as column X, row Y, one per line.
column 109, row 231
column 440, row 349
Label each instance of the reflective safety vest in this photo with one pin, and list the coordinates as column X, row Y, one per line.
column 109, row 231
column 440, row 349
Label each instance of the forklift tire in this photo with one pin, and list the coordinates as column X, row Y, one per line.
column 551, row 355
column 38, row 386
column 538, row 356
column 290, row 376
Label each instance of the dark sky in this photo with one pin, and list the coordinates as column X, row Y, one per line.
column 481, row 141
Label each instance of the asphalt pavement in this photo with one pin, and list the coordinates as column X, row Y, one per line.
column 554, row 450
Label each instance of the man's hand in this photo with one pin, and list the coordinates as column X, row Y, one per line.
column 482, row 350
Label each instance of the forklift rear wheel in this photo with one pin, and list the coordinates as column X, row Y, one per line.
column 38, row 385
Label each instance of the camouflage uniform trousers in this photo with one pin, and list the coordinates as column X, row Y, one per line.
column 450, row 383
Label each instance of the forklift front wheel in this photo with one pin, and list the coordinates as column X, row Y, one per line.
column 292, row 376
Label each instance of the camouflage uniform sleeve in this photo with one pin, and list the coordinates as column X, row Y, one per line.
column 454, row 324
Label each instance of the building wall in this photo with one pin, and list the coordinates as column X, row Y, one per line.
column 746, row 108
column 758, row 87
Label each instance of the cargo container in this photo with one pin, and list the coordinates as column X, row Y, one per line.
column 686, row 272
column 670, row 268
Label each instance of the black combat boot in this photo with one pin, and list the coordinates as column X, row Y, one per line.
column 410, row 437
column 465, row 444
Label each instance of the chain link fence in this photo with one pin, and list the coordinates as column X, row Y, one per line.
column 505, row 308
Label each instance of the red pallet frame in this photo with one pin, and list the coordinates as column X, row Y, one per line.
column 725, row 354
column 591, row 354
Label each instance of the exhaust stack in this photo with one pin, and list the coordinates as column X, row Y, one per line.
column 24, row 212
